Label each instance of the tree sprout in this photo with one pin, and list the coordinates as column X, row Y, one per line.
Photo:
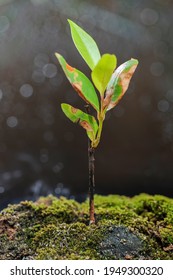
column 111, row 83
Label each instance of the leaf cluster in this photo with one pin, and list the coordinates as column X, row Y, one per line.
column 111, row 82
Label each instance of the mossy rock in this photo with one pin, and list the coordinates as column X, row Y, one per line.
column 126, row 228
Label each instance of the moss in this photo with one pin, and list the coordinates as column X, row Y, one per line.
column 127, row 228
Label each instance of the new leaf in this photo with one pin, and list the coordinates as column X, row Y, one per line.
column 119, row 83
column 80, row 83
column 87, row 121
column 102, row 73
column 85, row 44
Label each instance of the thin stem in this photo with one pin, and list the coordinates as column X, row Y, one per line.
column 91, row 184
column 91, row 166
column 96, row 142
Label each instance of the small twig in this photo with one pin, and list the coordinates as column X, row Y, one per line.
column 91, row 166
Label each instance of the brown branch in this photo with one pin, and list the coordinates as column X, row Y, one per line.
column 91, row 160
column 91, row 166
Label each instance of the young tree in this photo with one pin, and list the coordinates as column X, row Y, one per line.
column 111, row 83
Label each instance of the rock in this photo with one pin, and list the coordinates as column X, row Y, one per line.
column 121, row 243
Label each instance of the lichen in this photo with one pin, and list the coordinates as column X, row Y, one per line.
column 126, row 228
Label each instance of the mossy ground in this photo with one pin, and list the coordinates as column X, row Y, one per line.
column 126, row 228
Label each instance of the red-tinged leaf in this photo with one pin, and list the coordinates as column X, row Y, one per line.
column 87, row 121
column 80, row 83
column 119, row 83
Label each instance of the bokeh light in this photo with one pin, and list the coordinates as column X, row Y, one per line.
column 26, row 90
column 4, row 24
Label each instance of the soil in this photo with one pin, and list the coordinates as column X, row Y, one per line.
column 126, row 228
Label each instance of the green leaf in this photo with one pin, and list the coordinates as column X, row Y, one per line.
column 102, row 73
column 85, row 44
column 80, row 83
column 87, row 121
column 119, row 83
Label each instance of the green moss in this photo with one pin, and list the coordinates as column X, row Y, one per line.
column 75, row 241
column 54, row 228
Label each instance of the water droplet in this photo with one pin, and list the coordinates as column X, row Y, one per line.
column 50, row 70
column 4, row 23
column 12, row 121
column 26, row 90
column 163, row 106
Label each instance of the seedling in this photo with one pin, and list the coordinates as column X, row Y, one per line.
column 111, row 84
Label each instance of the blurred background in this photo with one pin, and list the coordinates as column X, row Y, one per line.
column 41, row 151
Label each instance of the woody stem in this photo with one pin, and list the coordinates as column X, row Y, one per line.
column 91, row 166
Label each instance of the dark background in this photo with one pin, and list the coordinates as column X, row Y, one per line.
column 41, row 151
